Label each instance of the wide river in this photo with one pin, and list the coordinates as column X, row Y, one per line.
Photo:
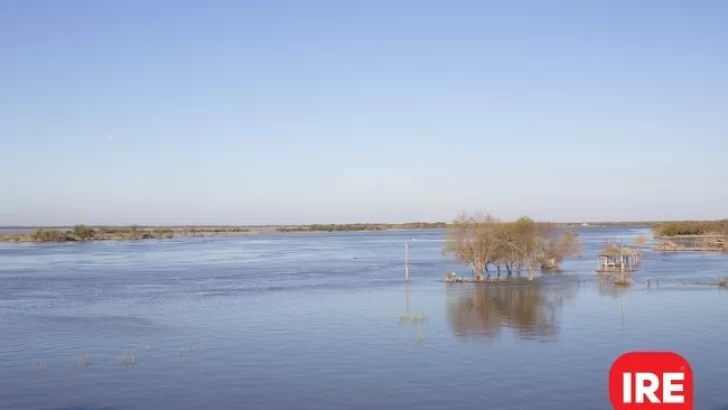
column 326, row 321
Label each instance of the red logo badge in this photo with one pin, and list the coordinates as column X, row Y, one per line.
column 651, row 380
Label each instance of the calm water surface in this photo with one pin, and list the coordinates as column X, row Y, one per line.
column 325, row 321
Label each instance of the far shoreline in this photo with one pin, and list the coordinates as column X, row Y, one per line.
column 83, row 233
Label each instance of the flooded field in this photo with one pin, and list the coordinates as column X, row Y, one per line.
column 325, row 321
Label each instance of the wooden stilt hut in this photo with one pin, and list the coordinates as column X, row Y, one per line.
column 717, row 245
column 618, row 259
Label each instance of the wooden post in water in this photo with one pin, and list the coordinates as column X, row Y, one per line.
column 406, row 296
column 406, row 260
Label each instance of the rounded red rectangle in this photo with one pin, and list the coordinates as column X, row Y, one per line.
column 651, row 381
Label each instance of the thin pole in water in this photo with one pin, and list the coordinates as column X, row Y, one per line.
column 406, row 260
column 406, row 295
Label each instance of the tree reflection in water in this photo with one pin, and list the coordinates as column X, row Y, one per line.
column 482, row 310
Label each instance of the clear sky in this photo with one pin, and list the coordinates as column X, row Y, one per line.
column 181, row 112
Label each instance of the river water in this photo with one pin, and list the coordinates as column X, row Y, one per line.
column 325, row 321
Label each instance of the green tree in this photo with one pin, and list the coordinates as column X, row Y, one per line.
column 83, row 233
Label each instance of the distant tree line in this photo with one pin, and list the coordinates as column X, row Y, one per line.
column 330, row 228
column 691, row 228
column 484, row 243
column 422, row 225
column 85, row 233
column 133, row 232
column 360, row 227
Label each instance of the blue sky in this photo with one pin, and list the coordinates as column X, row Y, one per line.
column 177, row 112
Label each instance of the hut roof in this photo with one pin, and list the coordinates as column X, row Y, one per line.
column 617, row 251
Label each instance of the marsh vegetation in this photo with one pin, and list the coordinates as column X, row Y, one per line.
column 689, row 228
column 693, row 244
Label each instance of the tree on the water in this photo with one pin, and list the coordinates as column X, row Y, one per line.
column 480, row 241
column 472, row 239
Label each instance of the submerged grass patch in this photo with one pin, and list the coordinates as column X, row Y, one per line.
column 413, row 318
column 127, row 359
column 721, row 283
column 41, row 366
column 83, row 361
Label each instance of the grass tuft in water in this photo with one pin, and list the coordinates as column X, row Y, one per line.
column 127, row 359
column 414, row 318
column 41, row 366
column 83, row 361
column 418, row 318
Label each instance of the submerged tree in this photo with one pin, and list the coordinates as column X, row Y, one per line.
column 480, row 241
column 641, row 240
column 528, row 242
column 472, row 240
column 559, row 246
